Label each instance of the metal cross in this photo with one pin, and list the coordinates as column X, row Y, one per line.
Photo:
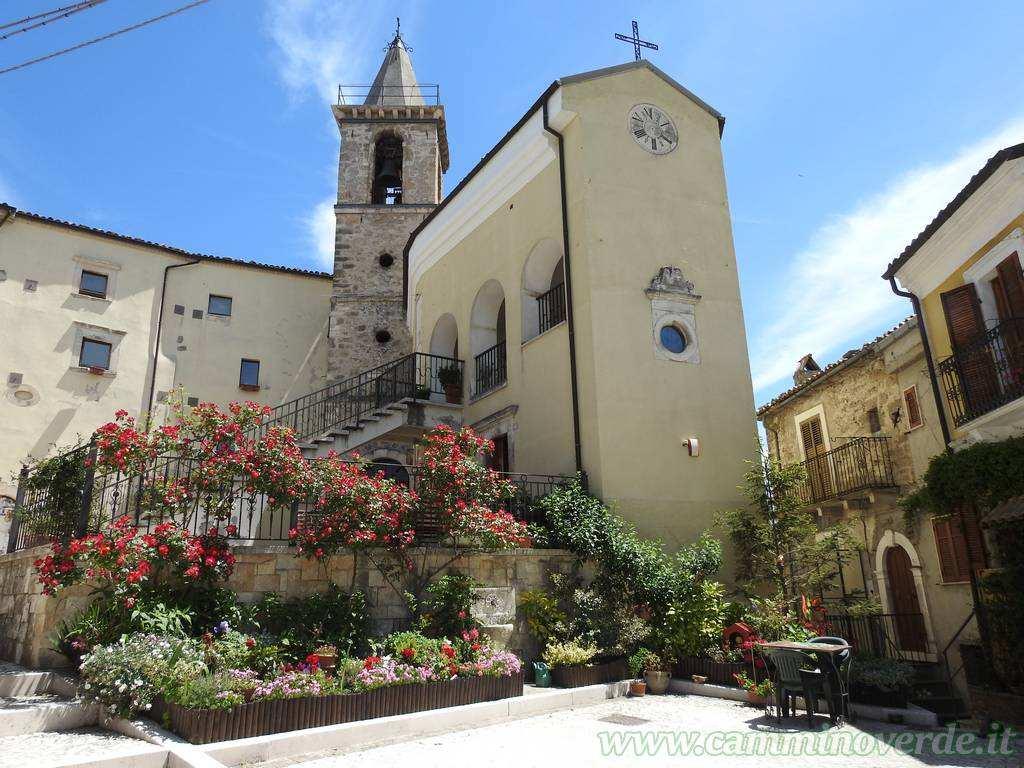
column 636, row 41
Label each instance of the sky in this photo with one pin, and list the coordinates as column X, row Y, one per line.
column 849, row 125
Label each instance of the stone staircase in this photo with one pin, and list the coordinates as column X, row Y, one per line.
column 399, row 400
column 932, row 690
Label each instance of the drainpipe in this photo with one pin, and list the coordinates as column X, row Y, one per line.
column 159, row 328
column 568, row 290
column 943, row 424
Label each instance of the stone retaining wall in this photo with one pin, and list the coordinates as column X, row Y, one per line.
column 28, row 619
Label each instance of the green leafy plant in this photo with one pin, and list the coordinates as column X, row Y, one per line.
column 569, row 653
column 543, row 616
column 447, row 609
column 298, row 626
column 763, row 688
column 882, row 674
column 450, row 376
column 645, row 660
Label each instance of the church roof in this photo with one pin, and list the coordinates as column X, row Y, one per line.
column 17, row 213
column 395, row 83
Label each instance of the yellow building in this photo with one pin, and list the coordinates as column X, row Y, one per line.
column 963, row 276
column 575, row 298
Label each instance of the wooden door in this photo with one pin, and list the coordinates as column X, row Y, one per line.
column 975, row 366
column 908, row 620
column 819, row 473
column 498, row 460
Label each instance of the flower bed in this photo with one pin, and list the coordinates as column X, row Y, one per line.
column 202, row 726
column 717, row 672
column 578, row 675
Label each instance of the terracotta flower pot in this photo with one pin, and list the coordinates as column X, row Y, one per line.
column 756, row 699
column 637, row 687
column 657, row 681
column 453, row 393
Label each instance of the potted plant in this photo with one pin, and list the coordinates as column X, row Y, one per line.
column 451, row 380
column 422, row 393
column 637, row 665
column 654, row 672
column 757, row 692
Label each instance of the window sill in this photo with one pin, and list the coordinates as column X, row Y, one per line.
column 480, row 396
column 108, row 374
column 97, row 299
column 249, row 387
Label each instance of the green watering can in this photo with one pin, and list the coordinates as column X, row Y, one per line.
column 541, row 675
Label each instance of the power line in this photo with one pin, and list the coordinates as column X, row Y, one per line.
column 54, row 12
column 100, row 39
column 50, row 17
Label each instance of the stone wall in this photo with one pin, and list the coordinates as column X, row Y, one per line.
column 28, row 618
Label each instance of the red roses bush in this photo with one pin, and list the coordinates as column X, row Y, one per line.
column 121, row 560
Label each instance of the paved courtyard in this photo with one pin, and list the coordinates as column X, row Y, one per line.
column 575, row 737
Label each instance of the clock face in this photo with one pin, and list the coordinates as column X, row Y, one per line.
column 652, row 129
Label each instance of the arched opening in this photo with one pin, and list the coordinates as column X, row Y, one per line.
column 445, row 376
column 387, row 171
column 902, row 591
column 391, row 469
column 543, row 290
column 487, row 337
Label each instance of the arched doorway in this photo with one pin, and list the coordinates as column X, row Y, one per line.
column 487, row 337
column 903, row 600
column 391, row 469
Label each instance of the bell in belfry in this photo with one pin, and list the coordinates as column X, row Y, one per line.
column 387, row 177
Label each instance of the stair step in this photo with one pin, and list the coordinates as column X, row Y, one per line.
column 369, row 418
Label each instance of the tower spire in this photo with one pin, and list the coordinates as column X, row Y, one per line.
column 395, row 83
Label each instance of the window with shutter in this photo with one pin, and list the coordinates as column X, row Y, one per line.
column 816, row 454
column 914, row 418
column 974, row 366
column 1010, row 293
column 874, row 421
column 960, row 546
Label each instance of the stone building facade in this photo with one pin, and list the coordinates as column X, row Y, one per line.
column 865, row 428
column 393, row 142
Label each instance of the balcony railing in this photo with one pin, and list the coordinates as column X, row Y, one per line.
column 986, row 373
column 551, row 307
column 884, row 635
column 490, row 368
column 861, row 464
column 388, row 95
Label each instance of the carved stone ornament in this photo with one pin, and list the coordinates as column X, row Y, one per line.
column 671, row 280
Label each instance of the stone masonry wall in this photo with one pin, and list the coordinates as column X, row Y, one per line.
column 28, row 618
column 846, row 397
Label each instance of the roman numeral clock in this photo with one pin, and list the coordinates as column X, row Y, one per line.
column 652, row 129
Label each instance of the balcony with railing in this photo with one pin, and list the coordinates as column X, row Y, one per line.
column 862, row 464
column 985, row 374
column 551, row 307
column 491, row 369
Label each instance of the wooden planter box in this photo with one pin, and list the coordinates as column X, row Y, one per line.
column 717, row 672
column 203, row 726
column 578, row 675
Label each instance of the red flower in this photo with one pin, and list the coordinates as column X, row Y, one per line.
column 371, row 662
column 313, row 660
column 408, row 654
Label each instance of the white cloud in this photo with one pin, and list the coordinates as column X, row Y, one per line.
column 833, row 287
column 320, row 230
column 321, row 44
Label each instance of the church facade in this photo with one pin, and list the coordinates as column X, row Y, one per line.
column 575, row 298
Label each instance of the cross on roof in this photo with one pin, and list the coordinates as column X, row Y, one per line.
column 636, row 41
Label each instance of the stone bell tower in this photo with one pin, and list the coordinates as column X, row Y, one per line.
column 394, row 150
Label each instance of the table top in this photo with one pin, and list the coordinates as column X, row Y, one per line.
column 828, row 648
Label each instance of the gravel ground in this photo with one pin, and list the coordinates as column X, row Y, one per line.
column 572, row 737
column 43, row 750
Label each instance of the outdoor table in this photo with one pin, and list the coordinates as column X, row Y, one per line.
column 821, row 651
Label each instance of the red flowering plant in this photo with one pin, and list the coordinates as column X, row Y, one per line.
column 352, row 510
column 208, row 460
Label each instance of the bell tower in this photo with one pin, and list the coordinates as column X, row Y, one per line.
column 394, row 151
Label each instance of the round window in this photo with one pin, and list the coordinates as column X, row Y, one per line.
column 383, row 337
column 672, row 339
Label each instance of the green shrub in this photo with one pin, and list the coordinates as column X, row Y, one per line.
column 543, row 616
column 300, row 625
column 883, row 674
column 447, row 609
column 413, row 648
column 568, row 653
column 645, row 660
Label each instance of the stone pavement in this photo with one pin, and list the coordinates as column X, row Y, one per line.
column 572, row 737
column 42, row 750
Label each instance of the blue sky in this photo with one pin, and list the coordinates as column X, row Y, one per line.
column 849, row 125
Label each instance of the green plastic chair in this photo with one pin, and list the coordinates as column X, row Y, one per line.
column 797, row 674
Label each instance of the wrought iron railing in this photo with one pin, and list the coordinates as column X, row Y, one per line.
column 55, row 494
column 986, row 373
column 551, row 307
column 491, row 370
column 883, row 635
column 389, row 95
column 861, row 464
column 342, row 404
column 90, row 500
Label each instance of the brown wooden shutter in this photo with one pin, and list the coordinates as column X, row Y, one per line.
column 913, row 407
column 818, row 470
column 963, row 315
column 975, row 543
column 944, row 548
column 1011, row 281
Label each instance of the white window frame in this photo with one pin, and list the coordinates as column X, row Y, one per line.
column 983, row 272
column 906, row 405
column 101, row 267
column 799, row 418
column 96, row 333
